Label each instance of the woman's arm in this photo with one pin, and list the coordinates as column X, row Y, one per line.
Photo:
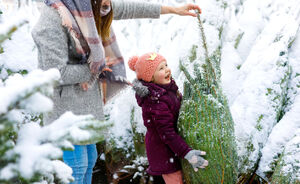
column 128, row 9
column 135, row 9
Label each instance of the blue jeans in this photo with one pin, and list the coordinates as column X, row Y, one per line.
column 82, row 161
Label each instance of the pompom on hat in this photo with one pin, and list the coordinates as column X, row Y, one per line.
column 145, row 65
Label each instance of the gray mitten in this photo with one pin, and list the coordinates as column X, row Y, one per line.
column 195, row 159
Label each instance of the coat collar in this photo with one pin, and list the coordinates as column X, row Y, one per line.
column 144, row 89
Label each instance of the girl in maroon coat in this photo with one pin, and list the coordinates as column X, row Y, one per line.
column 158, row 95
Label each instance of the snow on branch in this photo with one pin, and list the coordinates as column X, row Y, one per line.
column 35, row 155
column 18, row 88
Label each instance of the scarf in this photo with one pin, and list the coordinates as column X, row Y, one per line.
column 77, row 16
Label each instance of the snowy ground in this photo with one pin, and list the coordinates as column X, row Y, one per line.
column 260, row 67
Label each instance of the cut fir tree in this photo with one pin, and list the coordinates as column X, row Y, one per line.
column 205, row 121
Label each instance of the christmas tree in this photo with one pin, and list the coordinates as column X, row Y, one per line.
column 205, row 121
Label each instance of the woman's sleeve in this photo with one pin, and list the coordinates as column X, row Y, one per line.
column 127, row 9
column 52, row 43
column 163, row 121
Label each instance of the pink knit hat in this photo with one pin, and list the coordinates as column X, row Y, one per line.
column 145, row 65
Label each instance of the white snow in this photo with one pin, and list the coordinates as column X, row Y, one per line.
column 291, row 158
column 17, row 86
column 281, row 134
column 19, row 52
column 37, row 103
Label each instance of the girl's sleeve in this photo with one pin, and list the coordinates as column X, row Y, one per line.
column 51, row 40
column 127, row 9
column 163, row 121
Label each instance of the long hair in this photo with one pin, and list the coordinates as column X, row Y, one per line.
column 102, row 23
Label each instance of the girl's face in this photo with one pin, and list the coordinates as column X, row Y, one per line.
column 162, row 74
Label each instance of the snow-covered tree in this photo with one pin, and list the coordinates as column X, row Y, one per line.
column 260, row 79
column 28, row 152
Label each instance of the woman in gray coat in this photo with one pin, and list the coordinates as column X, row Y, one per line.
column 75, row 36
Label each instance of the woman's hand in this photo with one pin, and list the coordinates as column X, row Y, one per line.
column 181, row 10
column 85, row 85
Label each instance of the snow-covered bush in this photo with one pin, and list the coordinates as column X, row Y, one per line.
column 288, row 167
column 125, row 149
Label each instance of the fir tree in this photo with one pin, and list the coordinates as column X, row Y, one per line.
column 205, row 121
column 28, row 152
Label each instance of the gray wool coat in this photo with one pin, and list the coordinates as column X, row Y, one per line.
column 56, row 49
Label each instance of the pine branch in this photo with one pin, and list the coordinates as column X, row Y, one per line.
column 210, row 73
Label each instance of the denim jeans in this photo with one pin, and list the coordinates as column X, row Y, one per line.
column 82, row 161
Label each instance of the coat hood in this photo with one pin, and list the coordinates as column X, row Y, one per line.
column 139, row 88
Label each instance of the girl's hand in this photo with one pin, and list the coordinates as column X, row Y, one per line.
column 181, row 10
column 195, row 159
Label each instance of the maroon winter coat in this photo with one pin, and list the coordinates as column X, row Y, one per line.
column 160, row 109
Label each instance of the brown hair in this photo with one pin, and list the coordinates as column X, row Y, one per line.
column 102, row 23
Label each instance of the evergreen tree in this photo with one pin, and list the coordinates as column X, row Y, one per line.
column 205, row 121
column 28, row 152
